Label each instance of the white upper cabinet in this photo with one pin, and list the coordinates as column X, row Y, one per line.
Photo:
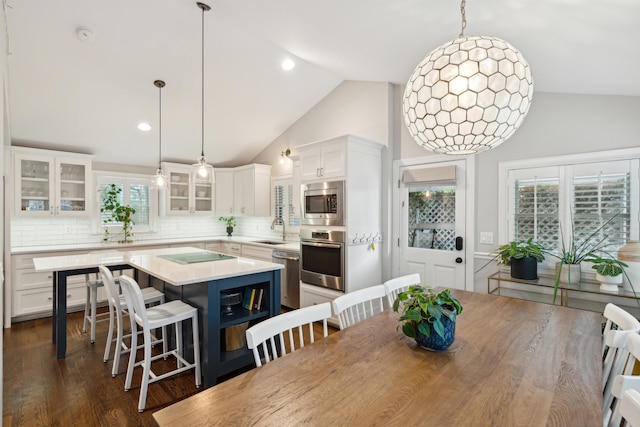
column 251, row 192
column 184, row 197
column 47, row 184
column 320, row 162
column 224, row 191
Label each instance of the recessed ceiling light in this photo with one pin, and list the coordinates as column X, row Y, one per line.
column 288, row 65
column 144, row 126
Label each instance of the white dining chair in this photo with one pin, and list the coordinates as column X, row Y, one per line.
column 619, row 325
column 264, row 333
column 631, row 408
column 118, row 306
column 400, row 284
column 621, row 383
column 159, row 316
column 359, row 305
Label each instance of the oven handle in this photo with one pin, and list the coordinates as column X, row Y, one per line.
column 323, row 245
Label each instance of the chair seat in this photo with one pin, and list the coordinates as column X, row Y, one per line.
column 168, row 313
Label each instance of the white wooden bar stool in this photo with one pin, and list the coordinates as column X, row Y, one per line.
column 118, row 306
column 170, row 313
column 265, row 332
column 359, row 305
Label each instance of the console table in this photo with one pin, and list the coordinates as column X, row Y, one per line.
column 543, row 288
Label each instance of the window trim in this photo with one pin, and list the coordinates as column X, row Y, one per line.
column 125, row 178
column 563, row 163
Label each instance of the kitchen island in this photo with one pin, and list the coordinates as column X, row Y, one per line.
column 200, row 284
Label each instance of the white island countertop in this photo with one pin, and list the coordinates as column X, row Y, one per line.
column 148, row 260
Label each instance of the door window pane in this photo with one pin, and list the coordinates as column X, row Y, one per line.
column 432, row 217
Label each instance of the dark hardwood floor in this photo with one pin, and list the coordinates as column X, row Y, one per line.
column 79, row 390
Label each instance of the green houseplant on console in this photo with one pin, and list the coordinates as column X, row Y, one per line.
column 523, row 256
column 428, row 316
column 117, row 212
column 608, row 272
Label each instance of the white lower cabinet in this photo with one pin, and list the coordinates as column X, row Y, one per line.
column 313, row 295
column 32, row 294
column 256, row 252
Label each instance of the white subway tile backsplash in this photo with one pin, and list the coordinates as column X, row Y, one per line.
column 68, row 231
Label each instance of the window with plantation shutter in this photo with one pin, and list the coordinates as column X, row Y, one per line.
column 591, row 201
column 536, row 210
column 136, row 192
column 602, row 201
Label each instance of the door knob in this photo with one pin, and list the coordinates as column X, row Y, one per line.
column 459, row 260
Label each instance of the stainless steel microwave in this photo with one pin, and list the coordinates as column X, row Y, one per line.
column 323, row 203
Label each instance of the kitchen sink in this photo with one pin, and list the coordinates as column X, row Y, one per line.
column 269, row 242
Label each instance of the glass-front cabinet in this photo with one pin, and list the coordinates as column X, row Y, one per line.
column 49, row 185
column 183, row 196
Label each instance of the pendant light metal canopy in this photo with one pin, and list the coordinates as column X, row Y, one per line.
column 159, row 180
column 202, row 172
column 468, row 95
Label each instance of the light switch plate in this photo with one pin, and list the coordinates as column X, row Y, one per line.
column 486, row 237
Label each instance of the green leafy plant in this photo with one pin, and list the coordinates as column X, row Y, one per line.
column 118, row 212
column 229, row 220
column 519, row 249
column 607, row 266
column 421, row 306
column 573, row 253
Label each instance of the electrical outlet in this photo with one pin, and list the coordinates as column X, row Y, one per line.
column 67, row 229
column 486, row 237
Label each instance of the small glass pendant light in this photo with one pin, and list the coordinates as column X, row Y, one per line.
column 159, row 180
column 202, row 172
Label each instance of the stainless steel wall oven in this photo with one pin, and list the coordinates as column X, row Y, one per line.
column 322, row 258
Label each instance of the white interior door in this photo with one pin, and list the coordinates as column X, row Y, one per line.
column 432, row 223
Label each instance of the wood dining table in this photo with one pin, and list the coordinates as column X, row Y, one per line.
column 513, row 363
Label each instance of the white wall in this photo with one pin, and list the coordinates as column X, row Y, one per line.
column 356, row 108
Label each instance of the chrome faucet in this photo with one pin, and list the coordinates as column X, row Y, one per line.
column 277, row 220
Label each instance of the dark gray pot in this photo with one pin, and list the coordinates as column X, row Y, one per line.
column 524, row 268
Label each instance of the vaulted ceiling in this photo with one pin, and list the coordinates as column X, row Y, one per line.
column 88, row 96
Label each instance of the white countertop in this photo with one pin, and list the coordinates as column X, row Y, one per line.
column 290, row 246
column 147, row 260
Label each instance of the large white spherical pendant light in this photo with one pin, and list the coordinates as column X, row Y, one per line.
column 468, row 95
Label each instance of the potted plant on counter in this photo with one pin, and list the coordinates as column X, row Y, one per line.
column 230, row 221
column 523, row 256
column 608, row 272
column 428, row 316
column 117, row 212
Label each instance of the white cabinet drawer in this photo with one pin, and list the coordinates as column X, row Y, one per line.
column 23, row 261
column 41, row 300
column 232, row 248
column 313, row 295
column 256, row 252
column 215, row 247
column 30, row 279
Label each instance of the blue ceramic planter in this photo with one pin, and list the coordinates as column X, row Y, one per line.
column 434, row 342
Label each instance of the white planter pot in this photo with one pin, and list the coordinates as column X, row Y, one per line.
column 609, row 283
column 570, row 273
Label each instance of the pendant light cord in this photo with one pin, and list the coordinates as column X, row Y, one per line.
column 202, row 82
column 463, row 3
column 159, row 84
column 160, row 129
